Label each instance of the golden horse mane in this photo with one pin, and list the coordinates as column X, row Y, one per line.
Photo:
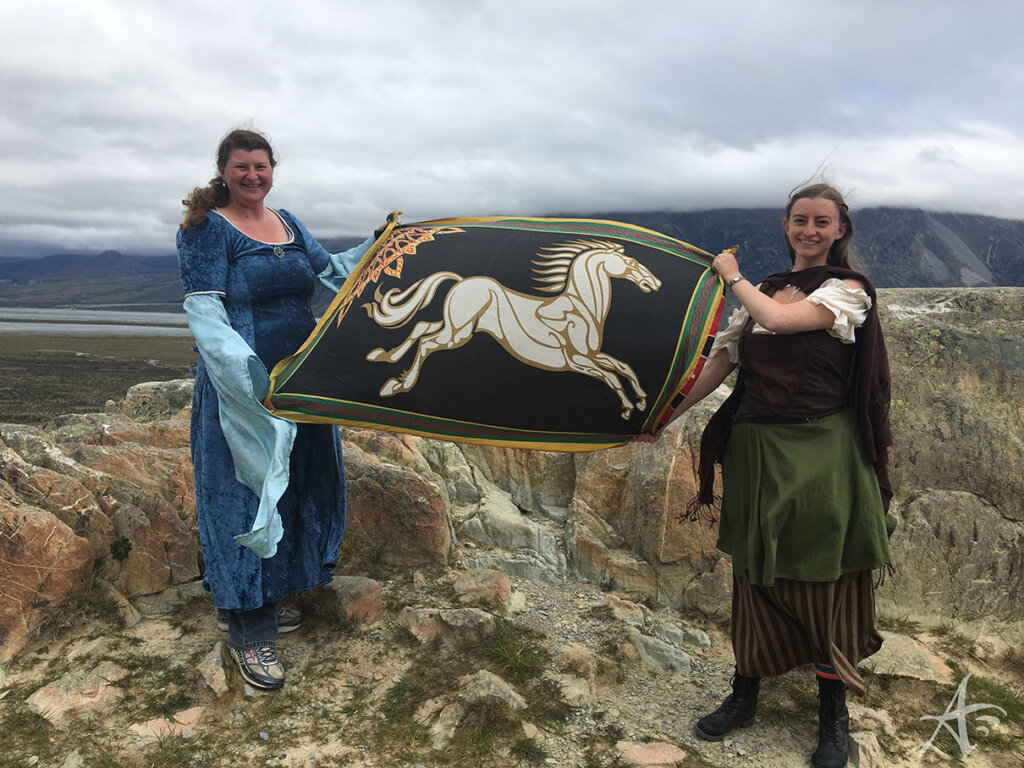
column 553, row 268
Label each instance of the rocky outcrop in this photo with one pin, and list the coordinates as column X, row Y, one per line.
column 123, row 485
column 116, row 488
column 958, row 385
column 958, row 468
column 394, row 513
column 957, row 361
column 958, row 462
column 959, row 556
column 42, row 564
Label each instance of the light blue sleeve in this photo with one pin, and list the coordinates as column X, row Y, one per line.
column 341, row 264
column 260, row 443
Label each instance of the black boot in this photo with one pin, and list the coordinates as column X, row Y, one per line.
column 833, row 725
column 737, row 711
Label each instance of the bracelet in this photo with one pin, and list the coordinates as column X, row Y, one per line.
column 735, row 280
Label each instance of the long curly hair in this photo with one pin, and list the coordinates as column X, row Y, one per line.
column 841, row 254
column 215, row 193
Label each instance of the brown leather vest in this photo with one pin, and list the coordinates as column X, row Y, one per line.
column 794, row 375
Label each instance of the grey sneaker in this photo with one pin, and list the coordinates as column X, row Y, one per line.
column 288, row 620
column 259, row 666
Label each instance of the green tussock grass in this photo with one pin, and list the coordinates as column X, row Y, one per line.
column 901, row 625
column 173, row 752
column 516, row 652
column 483, row 724
column 1014, row 661
column 932, row 700
column 92, row 604
column 529, row 752
column 952, row 642
column 547, row 708
column 153, row 688
column 980, row 689
column 33, row 734
column 189, row 617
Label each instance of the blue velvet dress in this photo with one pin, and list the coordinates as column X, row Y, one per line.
column 266, row 290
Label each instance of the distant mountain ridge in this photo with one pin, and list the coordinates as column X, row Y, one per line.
column 899, row 247
column 108, row 278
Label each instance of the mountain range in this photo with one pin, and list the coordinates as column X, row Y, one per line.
column 898, row 247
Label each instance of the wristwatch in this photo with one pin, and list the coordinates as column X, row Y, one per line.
column 734, row 280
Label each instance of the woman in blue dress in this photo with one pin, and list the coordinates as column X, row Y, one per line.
column 270, row 495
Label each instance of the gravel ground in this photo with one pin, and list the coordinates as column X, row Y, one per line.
column 333, row 710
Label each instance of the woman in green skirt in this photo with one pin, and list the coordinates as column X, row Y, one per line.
column 802, row 441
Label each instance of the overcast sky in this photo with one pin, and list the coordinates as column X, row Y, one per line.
column 112, row 109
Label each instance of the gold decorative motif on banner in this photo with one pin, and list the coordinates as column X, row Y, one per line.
column 391, row 258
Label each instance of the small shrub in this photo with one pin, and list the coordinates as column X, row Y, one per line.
column 120, row 548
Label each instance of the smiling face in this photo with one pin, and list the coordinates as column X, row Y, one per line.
column 249, row 175
column 812, row 226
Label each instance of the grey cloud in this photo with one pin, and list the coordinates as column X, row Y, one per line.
column 114, row 108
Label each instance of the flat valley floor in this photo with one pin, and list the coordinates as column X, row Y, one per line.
column 44, row 376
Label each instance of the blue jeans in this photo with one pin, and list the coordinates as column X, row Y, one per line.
column 251, row 629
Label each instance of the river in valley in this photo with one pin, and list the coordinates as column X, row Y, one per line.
column 76, row 321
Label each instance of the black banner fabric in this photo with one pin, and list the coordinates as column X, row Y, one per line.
column 554, row 334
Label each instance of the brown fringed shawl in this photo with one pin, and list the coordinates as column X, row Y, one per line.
column 868, row 395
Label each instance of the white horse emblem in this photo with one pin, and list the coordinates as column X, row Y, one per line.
column 557, row 333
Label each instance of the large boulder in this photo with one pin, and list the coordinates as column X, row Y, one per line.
column 164, row 472
column 538, row 481
column 394, row 513
column 42, row 564
column 956, row 557
column 957, row 360
column 600, row 555
column 62, row 496
column 153, row 400
column 130, row 499
column 642, row 490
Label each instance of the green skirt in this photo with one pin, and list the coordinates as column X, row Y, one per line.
column 800, row 501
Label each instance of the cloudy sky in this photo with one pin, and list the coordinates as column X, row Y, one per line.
column 112, row 109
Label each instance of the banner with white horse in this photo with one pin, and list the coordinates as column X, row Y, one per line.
column 553, row 334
